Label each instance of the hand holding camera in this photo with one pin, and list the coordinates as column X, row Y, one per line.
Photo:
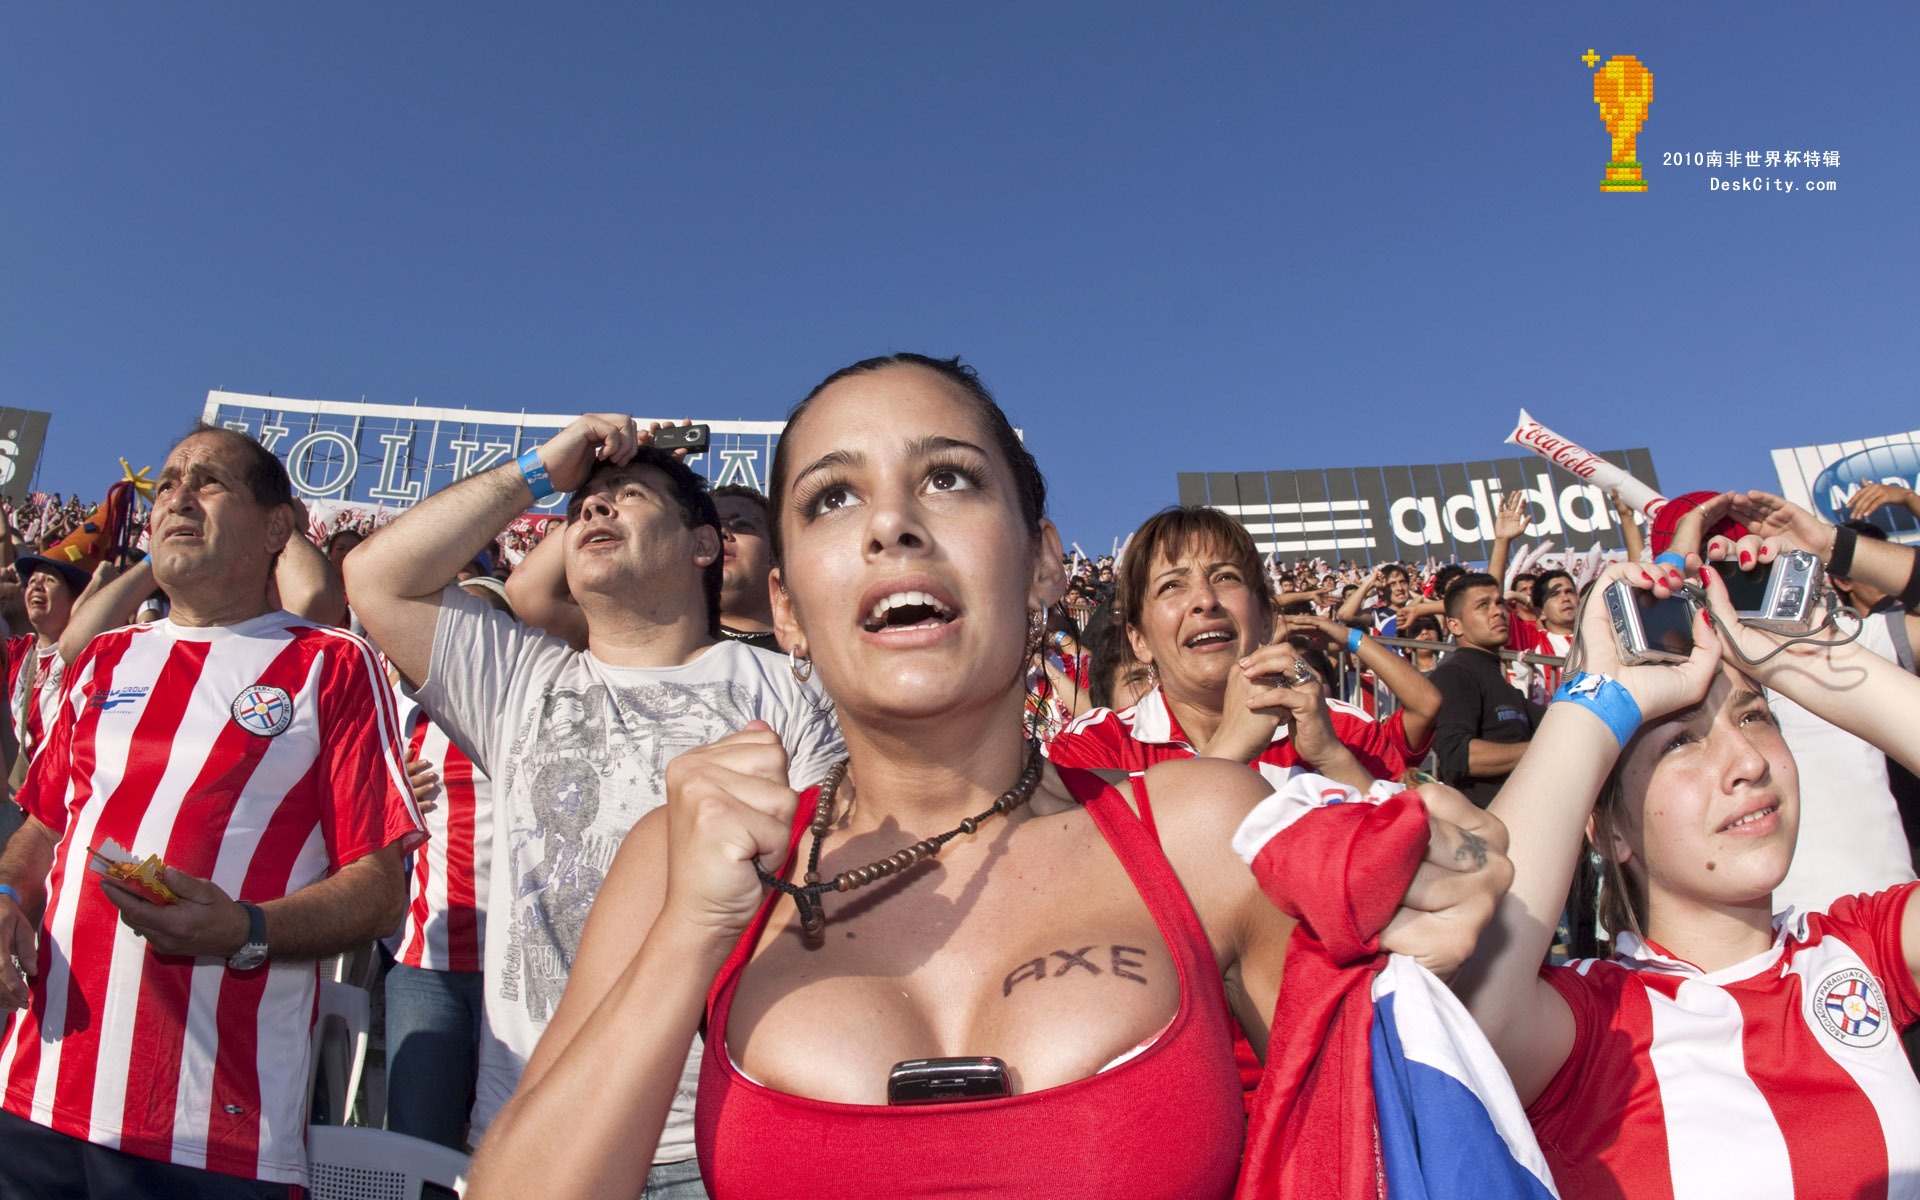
column 1643, row 630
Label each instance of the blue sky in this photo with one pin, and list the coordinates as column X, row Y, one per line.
column 1171, row 237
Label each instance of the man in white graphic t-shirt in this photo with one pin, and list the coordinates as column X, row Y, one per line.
column 576, row 742
column 155, row 1035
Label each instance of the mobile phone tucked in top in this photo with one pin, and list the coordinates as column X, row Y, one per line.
column 691, row 438
column 1647, row 629
column 944, row 1080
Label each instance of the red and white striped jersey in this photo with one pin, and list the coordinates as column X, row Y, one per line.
column 1536, row 681
column 47, row 675
column 1780, row 1076
column 263, row 756
column 1148, row 734
column 446, row 923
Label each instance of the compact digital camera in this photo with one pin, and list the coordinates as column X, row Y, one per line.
column 1648, row 629
column 1780, row 599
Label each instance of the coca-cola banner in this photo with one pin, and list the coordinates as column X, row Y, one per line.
column 1411, row 513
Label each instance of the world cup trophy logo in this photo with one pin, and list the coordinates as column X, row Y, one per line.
column 1623, row 89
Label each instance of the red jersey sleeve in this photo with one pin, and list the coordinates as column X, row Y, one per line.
column 16, row 651
column 43, row 795
column 369, row 803
column 45, row 792
column 1095, row 741
column 1872, row 926
column 1583, row 1082
column 1369, row 743
column 1395, row 730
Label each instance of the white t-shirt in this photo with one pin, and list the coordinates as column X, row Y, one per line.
column 578, row 752
column 1851, row 839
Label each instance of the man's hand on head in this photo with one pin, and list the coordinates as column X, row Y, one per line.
column 572, row 454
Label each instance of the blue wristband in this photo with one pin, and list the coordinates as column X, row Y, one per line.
column 1606, row 698
column 12, row 895
column 1354, row 638
column 1672, row 560
column 535, row 473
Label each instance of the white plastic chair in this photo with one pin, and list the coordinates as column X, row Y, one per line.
column 359, row 966
column 373, row 1164
column 339, row 1051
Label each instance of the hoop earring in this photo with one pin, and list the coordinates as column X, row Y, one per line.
column 802, row 668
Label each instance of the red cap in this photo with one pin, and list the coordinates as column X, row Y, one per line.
column 1660, row 534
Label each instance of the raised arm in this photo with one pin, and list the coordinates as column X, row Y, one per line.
column 1629, row 529
column 1848, row 686
column 396, row 576
column 110, row 600
column 1509, row 524
column 1871, row 497
column 1418, row 697
column 1545, row 805
column 1893, row 568
column 537, row 589
column 1349, row 611
column 305, row 579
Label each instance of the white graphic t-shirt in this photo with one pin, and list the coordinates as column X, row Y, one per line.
column 578, row 751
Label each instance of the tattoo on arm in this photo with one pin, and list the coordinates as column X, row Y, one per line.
column 1123, row 962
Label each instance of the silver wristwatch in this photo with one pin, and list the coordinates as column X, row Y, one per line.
column 251, row 955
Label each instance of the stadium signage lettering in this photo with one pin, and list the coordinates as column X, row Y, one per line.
column 395, row 455
column 1439, row 510
column 1428, row 520
column 1898, row 463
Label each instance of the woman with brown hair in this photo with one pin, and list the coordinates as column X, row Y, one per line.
column 1721, row 1050
column 1200, row 615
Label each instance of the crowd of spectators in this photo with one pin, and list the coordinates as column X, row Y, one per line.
column 454, row 732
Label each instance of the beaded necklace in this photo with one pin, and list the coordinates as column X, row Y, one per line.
column 806, row 896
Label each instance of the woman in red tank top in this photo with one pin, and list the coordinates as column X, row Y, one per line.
column 1046, row 929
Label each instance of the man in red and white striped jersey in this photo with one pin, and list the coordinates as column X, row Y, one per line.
column 1556, row 598
column 433, row 990
column 162, row 1048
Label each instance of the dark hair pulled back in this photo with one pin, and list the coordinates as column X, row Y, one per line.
column 1030, row 487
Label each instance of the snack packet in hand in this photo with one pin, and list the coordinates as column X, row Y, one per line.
column 112, row 860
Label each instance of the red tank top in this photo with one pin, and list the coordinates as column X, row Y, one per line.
column 1168, row 1122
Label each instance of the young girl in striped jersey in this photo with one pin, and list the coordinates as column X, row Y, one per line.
column 1721, row 1051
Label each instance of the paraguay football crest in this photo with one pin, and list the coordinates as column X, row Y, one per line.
column 263, row 711
column 1851, row 1008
